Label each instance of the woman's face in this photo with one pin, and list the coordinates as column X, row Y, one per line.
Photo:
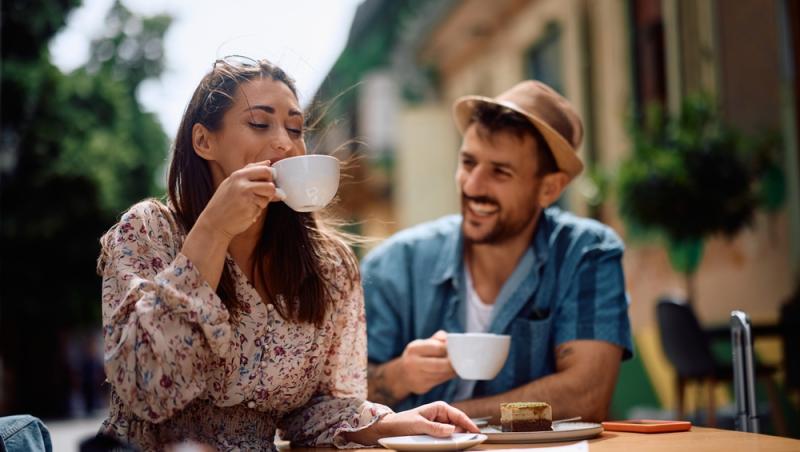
column 263, row 123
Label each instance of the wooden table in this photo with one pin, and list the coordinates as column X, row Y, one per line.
column 698, row 439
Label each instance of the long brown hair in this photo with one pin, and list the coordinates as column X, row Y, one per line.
column 297, row 252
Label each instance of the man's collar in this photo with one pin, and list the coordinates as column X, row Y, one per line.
column 541, row 238
column 450, row 261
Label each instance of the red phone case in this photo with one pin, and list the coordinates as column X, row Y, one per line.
column 647, row 426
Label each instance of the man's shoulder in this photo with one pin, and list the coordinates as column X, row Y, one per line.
column 430, row 237
column 567, row 228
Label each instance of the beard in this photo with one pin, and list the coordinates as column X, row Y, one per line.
column 506, row 226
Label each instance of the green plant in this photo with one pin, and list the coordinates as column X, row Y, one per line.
column 690, row 177
column 77, row 149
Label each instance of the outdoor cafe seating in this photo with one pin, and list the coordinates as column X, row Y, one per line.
column 688, row 348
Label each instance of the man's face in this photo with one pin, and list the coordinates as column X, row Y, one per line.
column 499, row 188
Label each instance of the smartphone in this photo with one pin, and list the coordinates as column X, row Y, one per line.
column 647, row 426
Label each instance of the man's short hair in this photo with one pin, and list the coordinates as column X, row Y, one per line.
column 496, row 118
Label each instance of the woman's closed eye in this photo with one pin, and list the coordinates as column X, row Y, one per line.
column 297, row 133
column 258, row 125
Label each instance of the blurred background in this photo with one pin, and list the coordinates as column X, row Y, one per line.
column 691, row 115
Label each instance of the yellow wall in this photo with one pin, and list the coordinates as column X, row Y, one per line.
column 425, row 163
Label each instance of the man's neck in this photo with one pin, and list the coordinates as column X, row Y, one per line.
column 490, row 265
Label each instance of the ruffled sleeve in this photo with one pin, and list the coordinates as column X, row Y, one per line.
column 339, row 406
column 163, row 325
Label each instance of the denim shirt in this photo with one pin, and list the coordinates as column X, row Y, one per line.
column 568, row 285
column 24, row 433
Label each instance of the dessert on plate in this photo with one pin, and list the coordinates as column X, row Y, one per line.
column 526, row 417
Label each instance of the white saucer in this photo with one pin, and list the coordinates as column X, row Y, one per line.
column 565, row 431
column 457, row 441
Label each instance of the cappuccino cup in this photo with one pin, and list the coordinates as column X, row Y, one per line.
column 477, row 356
column 309, row 181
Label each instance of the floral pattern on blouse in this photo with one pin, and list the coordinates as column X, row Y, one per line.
column 181, row 368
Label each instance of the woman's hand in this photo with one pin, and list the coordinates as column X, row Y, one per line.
column 237, row 203
column 435, row 419
column 240, row 199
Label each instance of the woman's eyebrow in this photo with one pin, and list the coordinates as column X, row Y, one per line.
column 266, row 108
column 271, row 110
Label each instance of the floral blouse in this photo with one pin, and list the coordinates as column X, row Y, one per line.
column 182, row 369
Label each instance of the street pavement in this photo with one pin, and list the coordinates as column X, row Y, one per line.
column 68, row 434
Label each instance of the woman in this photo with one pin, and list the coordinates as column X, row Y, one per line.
column 227, row 315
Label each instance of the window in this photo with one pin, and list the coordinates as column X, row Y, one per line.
column 544, row 58
column 649, row 53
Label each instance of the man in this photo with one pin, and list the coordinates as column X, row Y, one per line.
column 507, row 265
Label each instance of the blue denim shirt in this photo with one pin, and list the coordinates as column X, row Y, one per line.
column 568, row 285
column 24, row 433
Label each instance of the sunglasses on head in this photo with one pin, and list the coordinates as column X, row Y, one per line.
column 238, row 61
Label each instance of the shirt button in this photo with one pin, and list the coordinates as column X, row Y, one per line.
column 251, row 404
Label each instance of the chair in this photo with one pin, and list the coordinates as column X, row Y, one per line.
column 790, row 330
column 689, row 350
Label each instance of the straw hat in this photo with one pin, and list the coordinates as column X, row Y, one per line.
column 547, row 110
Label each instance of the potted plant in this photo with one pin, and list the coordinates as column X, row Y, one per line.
column 689, row 177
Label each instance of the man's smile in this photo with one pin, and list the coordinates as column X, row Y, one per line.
column 482, row 209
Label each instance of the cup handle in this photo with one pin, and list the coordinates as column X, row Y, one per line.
column 278, row 191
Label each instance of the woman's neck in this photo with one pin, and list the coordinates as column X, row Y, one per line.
column 243, row 246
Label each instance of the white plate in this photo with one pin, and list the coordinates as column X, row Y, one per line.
column 424, row 442
column 565, row 431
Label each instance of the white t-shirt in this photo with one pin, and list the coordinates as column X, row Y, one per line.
column 479, row 317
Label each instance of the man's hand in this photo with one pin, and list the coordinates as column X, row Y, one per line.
column 425, row 363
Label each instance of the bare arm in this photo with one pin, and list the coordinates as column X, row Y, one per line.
column 382, row 384
column 586, row 373
column 234, row 207
column 206, row 249
column 423, row 365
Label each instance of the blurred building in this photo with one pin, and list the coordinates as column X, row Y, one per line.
column 406, row 61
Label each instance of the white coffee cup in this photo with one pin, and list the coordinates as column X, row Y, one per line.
column 477, row 356
column 309, row 181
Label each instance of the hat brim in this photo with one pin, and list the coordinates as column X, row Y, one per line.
column 566, row 157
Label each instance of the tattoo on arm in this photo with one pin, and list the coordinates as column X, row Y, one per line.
column 379, row 390
column 564, row 352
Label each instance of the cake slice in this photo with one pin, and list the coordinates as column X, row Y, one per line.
column 526, row 416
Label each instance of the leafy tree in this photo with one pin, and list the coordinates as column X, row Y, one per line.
column 75, row 150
